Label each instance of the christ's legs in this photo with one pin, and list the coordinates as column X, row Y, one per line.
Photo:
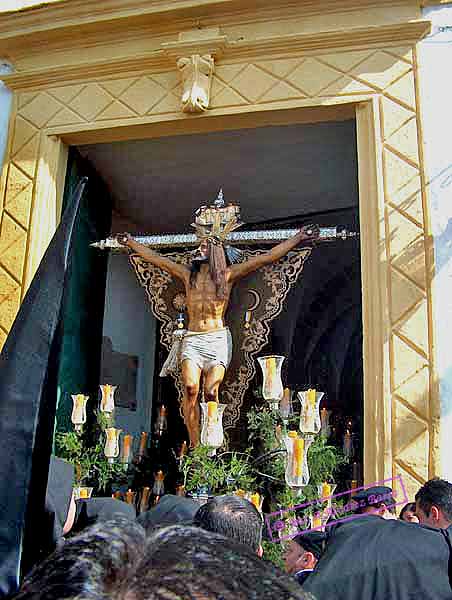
column 191, row 375
column 212, row 380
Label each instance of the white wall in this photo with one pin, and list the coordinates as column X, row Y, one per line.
column 129, row 322
column 435, row 59
column 5, row 110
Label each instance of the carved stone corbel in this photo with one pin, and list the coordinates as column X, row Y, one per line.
column 195, row 54
column 197, row 72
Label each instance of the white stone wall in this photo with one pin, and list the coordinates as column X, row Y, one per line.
column 435, row 58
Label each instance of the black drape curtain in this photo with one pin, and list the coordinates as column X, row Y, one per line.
column 81, row 343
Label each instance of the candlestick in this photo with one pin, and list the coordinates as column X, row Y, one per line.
column 144, row 501
column 180, row 490
column 326, row 490
column 107, row 403
column 325, row 422
column 78, row 416
column 161, row 423
column 316, row 520
column 158, row 489
column 356, row 471
column 111, row 448
column 130, row 497
column 126, row 452
column 310, row 411
column 143, row 443
column 348, row 445
column 256, row 500
column 272, row 387
column 212, row 425
column 285, row 404
column 183, row 450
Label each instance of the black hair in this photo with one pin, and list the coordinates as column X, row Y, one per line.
column 436, row 492
column 411, row 506
column 91, row 565
column 189, row 563
column 233, row 517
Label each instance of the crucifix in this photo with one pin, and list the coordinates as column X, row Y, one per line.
column 203, row 351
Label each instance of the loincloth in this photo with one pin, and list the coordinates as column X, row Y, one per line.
column 207, row 349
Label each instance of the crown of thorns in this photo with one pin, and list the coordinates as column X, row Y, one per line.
column 214, row 223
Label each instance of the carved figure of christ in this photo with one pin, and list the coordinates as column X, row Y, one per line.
column 206, row 347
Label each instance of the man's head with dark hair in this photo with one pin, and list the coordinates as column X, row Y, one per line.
column 188, row 563
column 214, row 255
column 233, row 517
column 408, row 513
column 91, row 565
column 303, row 551
column 376, row 500
column 434, row 503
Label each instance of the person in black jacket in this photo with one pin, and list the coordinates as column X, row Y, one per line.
column 372, row 558
column 302, row 554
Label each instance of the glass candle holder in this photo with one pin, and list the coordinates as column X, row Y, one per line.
column 347, row 444
column 107, row 401
column 78, row 416
column 129, row 497
column 212, row 425
column 310, row 414
column 285, row 405
column 183, row 450
column 143, row 444
column 316, row 520
column 325, row 490
column 256, row 500
column 180, row 490
column 144, row 499
column 325, row 416
column 272, row 386
column 82, row 491
column 161, row 423
column 111, row 448
column 126, row 450
column 158, row 489
column 297, row 471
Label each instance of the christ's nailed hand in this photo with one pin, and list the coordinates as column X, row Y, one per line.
column 123, row 238
column 310, row 232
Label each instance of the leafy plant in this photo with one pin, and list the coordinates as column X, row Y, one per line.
column 219, row 474
column 91, row 465
column 202, row 471
column 273, row 552
column 324, row 459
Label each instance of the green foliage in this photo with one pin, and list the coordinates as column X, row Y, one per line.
column 323, row 459
column 91, row 465
column 273, row 552
column 219, row 474
column 261, row 427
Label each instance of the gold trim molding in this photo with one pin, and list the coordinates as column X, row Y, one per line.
column 163, row 59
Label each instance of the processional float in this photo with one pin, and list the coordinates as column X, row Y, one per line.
column 267, row 288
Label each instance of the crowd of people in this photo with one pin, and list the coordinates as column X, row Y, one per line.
column 181, row 550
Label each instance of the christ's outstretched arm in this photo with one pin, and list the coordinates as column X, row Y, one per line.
column 173, row 268
column 307, row 233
